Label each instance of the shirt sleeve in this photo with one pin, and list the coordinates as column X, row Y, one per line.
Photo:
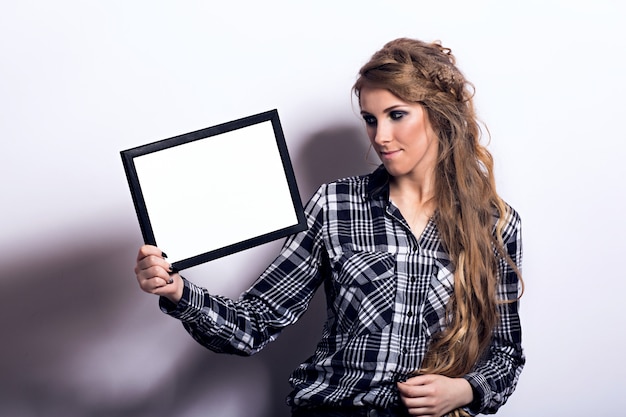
column 494, row 378
column 277, row 299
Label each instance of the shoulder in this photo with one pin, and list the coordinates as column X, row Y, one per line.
column 508, row 221
column 354, row 188
column 356, row 184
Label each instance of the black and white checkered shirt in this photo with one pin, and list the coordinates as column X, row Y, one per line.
column 386, row 294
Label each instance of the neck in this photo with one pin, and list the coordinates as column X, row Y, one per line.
column 415, row 200
column 412, row 190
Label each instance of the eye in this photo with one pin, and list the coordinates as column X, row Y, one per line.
column 369, row 120
column 397, row 114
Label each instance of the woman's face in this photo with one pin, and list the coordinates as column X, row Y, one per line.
column 400, row 132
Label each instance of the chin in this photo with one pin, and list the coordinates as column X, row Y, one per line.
column 393, row 170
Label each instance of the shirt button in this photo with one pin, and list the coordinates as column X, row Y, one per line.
column 412, row 279
column 372, row 413
column 409, row 314
column 405, row 350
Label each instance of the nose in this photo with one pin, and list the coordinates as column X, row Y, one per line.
column 382, row 134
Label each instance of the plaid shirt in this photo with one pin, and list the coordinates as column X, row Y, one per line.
column 386, row 294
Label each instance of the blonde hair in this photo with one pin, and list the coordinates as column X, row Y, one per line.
column 465, row 195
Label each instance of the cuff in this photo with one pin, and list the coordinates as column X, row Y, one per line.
column 190, row 305
column 481, row 390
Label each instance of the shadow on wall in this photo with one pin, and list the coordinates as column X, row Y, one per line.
column 334, row 153
column 80, row 339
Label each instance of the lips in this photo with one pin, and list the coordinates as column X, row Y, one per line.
column 389, row 154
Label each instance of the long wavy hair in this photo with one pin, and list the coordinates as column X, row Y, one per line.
column 465, row 195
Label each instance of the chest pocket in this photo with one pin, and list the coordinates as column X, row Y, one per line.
column 364, row 291
column 440, row 290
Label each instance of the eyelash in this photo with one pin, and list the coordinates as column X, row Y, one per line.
column 393, row 115
column 396, row 115
column 370, row 120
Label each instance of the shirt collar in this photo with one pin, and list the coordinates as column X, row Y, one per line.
column 378, row 184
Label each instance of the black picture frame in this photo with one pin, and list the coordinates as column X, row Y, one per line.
column 216, row 191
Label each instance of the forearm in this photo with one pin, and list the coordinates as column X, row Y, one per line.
column 221, row 324
column 495, row 379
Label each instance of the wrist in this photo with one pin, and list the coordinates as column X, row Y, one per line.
column 178, row 285
column 465, row 393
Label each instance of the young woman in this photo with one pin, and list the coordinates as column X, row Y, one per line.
column 419, row 261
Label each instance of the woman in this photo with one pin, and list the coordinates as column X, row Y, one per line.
column 419, row 261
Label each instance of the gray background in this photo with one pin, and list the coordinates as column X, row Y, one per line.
column 82, row 80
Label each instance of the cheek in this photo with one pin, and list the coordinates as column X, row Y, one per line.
column 413, row 132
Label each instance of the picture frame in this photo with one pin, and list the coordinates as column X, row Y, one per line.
column 215, row 191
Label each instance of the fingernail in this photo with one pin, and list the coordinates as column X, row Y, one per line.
column 163, row 255
column 170, row 281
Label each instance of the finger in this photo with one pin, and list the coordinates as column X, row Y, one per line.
column 152, row 272
column 153, row 261
column 174, row 279
column 417, row 380
column 411, row 391
column 169, row 289
column 155, row 285
column 420, row 412
column 416, row 401
column 149, row 250
column 152, row 276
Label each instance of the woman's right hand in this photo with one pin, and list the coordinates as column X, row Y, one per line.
column 155, row 276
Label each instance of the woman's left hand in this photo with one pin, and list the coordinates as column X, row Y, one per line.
column 434, row 395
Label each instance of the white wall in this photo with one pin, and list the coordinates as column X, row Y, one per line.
column 82, row 80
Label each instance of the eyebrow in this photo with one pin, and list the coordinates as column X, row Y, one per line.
column 387, row 110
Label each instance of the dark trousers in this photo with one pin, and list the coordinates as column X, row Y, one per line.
column 365, row 411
